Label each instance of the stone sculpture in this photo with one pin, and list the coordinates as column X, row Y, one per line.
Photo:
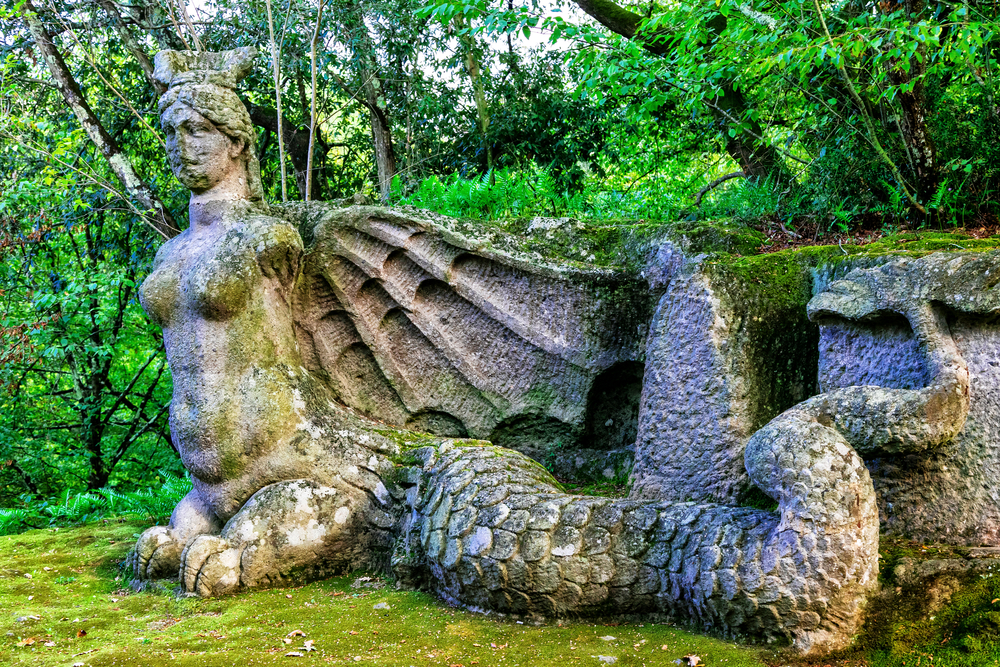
column 280, row 473
column 945, row 493
column 401, row 319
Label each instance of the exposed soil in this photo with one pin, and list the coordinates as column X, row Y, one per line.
column 867, row 229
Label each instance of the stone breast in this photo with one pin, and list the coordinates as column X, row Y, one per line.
column 222, row 278
column 215, row 278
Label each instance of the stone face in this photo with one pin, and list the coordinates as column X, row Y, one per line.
column 279, row 469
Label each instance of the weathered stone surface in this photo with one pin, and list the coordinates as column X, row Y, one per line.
column 271, row 455
column 622, row 558
column 944, row 493
column 419, row 326
column 720, row 361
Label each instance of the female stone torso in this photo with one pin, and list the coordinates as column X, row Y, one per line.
column 221, row 294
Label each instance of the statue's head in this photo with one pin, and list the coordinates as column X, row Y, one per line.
column 208, row 130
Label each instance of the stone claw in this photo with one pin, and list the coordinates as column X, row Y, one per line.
column 210, row 566
column 158, row 554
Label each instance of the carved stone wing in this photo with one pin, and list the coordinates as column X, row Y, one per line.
column 419, row 326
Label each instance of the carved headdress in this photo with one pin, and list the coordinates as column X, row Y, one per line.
column 206, row 82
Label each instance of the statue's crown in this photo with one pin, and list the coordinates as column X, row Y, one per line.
column 225, row 68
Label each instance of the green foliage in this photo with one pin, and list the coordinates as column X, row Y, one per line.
column 84, row 386
column 906, row 623
column 71, row 508
column 499, row 194
column 536, row 192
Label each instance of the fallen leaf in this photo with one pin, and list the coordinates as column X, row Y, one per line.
column 994, row 600
column 289, row 597
column 287, row 640
column 293, row 654
column 27, row 641
column 81, row 633
column 31, row 597
column 296, row 633
column 46, row 568
column 49, row 644
column 693, row 660
column 27, row 576
column 353, row 632
column 338, row 593
column 308, row 646
column 607, row 638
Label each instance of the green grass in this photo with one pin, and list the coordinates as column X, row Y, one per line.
column 82, row 590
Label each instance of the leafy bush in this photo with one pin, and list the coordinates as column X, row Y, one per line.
column 536, row 192
column 76, row 508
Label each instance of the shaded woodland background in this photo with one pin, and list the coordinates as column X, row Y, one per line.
column 812, row 120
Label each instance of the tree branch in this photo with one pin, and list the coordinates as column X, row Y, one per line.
column 716, row 183
column 161, row 220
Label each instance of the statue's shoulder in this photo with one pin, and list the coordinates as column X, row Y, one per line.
column 264, row 230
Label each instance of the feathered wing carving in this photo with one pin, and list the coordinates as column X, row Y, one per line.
column 416, row 326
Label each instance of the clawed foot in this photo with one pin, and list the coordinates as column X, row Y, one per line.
column 158, row 554
column 210, row 566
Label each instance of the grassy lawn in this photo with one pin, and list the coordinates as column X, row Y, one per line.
column 76, row 587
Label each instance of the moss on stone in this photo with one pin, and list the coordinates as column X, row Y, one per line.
column 911, row 625
column 343, row 616
column 407, row 441
column 719, row 236
column 769, row 292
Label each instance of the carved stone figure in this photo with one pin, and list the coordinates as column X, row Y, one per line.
column 277, row 467
column 947, row 492
column 285, row 352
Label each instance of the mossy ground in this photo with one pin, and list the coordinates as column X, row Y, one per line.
column 83, row 590
column 947, row 621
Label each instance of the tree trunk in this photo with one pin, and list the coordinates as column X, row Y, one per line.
column 913, row 120
column 160, row 220
column 296, row 144
column 757, row 159
column 128, row 39
column 478, row 91
column 363, row 49
column 385, row 156
column 156, row 21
